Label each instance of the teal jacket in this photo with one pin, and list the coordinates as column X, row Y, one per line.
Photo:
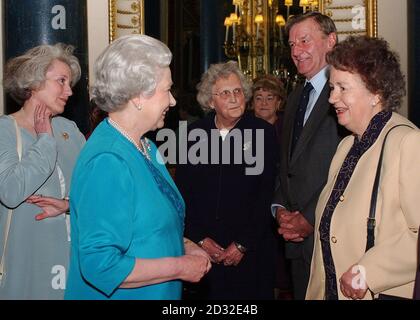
column 120, row 211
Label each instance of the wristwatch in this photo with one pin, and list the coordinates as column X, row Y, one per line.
column 240, row 247
column 68, row 200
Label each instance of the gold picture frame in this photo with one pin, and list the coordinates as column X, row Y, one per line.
column 125, row 17
column 352, row 17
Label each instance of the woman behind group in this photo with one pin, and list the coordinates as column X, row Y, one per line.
column 366, row 87
column 127, row 214
column 228, row 202
column 268, row 97
column 38, row 150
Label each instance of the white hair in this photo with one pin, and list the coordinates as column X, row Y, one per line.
column 129, row 66
column 216, row 72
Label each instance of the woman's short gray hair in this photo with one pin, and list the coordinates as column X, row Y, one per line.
column 27, row 72
column 214, row 73
column 128, row 67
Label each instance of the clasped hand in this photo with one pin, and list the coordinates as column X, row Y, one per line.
column 229, row 256
column 353, row 283
column 292, row 225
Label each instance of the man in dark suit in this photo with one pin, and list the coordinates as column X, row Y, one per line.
column 310, row 137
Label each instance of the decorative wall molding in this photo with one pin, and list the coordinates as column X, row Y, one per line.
column 352, row 17
column 125, row 17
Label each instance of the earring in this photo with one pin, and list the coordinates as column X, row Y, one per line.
column 137, row 106
column 375, row 101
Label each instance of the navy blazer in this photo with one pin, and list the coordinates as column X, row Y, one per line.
column 303, row 174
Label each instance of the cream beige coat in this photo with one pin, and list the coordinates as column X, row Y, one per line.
column 391, row 264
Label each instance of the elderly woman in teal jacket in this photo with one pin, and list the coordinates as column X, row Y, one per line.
column 127, row 214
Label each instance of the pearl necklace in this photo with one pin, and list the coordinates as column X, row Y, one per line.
column 143, row 147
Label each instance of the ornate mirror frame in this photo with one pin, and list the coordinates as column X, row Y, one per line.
column 352, row 17
column 125, row 17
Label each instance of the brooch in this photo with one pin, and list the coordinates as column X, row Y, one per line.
column 65, row 135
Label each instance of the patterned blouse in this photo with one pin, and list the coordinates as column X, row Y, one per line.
column 359, row 147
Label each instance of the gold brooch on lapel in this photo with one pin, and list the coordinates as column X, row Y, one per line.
column 65, row 135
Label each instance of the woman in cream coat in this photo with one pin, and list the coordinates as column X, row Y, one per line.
column 366, row 86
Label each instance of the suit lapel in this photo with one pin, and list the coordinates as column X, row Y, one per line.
column 320, row 110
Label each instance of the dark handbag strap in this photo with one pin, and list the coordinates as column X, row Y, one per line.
column 371, row 220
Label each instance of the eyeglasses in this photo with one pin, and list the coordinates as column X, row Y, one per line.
column 226, row 94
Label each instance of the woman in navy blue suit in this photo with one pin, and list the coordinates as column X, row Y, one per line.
column 228, row 202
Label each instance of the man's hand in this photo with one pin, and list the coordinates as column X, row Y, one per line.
column 292, row 225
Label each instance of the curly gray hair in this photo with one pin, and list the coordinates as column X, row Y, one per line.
column 128, row 67
column 214, row 73
column 27, row 72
